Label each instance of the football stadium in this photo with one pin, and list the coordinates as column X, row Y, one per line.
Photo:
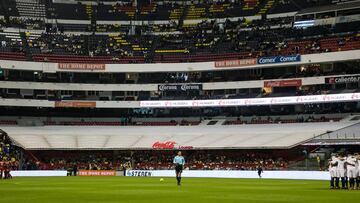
column 138, row 101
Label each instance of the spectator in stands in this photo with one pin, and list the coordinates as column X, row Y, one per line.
column 150, row 161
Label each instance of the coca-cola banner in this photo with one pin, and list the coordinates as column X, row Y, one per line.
column 179, row 87
column 343, row 79
column 283, row 83
column 169, row 145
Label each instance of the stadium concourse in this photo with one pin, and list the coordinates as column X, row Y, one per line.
column 226, row 91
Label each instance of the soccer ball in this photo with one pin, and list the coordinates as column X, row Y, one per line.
column 161, row 179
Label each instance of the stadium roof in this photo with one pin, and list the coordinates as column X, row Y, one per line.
column 345, row 136
column 329, row 8
column 276, row 136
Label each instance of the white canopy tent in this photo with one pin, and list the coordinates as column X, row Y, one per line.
column 143, row 137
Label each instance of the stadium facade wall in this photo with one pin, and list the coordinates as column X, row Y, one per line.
column 345, row 97
column 289, row 175
column 175, row 67
column 154, row 87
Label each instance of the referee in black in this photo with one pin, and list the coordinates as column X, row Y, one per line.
column 259, row 171
column 179, row 162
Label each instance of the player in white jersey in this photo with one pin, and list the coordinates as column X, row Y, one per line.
column 358, row 172
column 341, row 171
column 332, row 169
column 351, row 162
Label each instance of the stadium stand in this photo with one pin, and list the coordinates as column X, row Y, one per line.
column 201, row 160
column 203, row 41
column 56, row 119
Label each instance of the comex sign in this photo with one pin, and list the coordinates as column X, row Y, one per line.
column 254, row 61
column 279, row 59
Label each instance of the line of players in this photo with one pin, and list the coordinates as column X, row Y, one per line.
column 5, row 168
column 345, row 169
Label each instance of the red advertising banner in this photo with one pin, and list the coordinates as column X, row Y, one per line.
column 75, row 104
column 96, row 173
column 283, row 83
column 169, row 145
column 235, row 63
column 81, row 66
column 164, row 145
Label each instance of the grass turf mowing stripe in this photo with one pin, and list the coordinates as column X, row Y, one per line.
column 140, row 189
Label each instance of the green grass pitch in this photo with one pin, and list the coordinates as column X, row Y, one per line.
column 142, row 189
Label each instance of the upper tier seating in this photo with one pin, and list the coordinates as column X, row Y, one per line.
column 293, row 47
column 157, row 10
column 177, row 42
